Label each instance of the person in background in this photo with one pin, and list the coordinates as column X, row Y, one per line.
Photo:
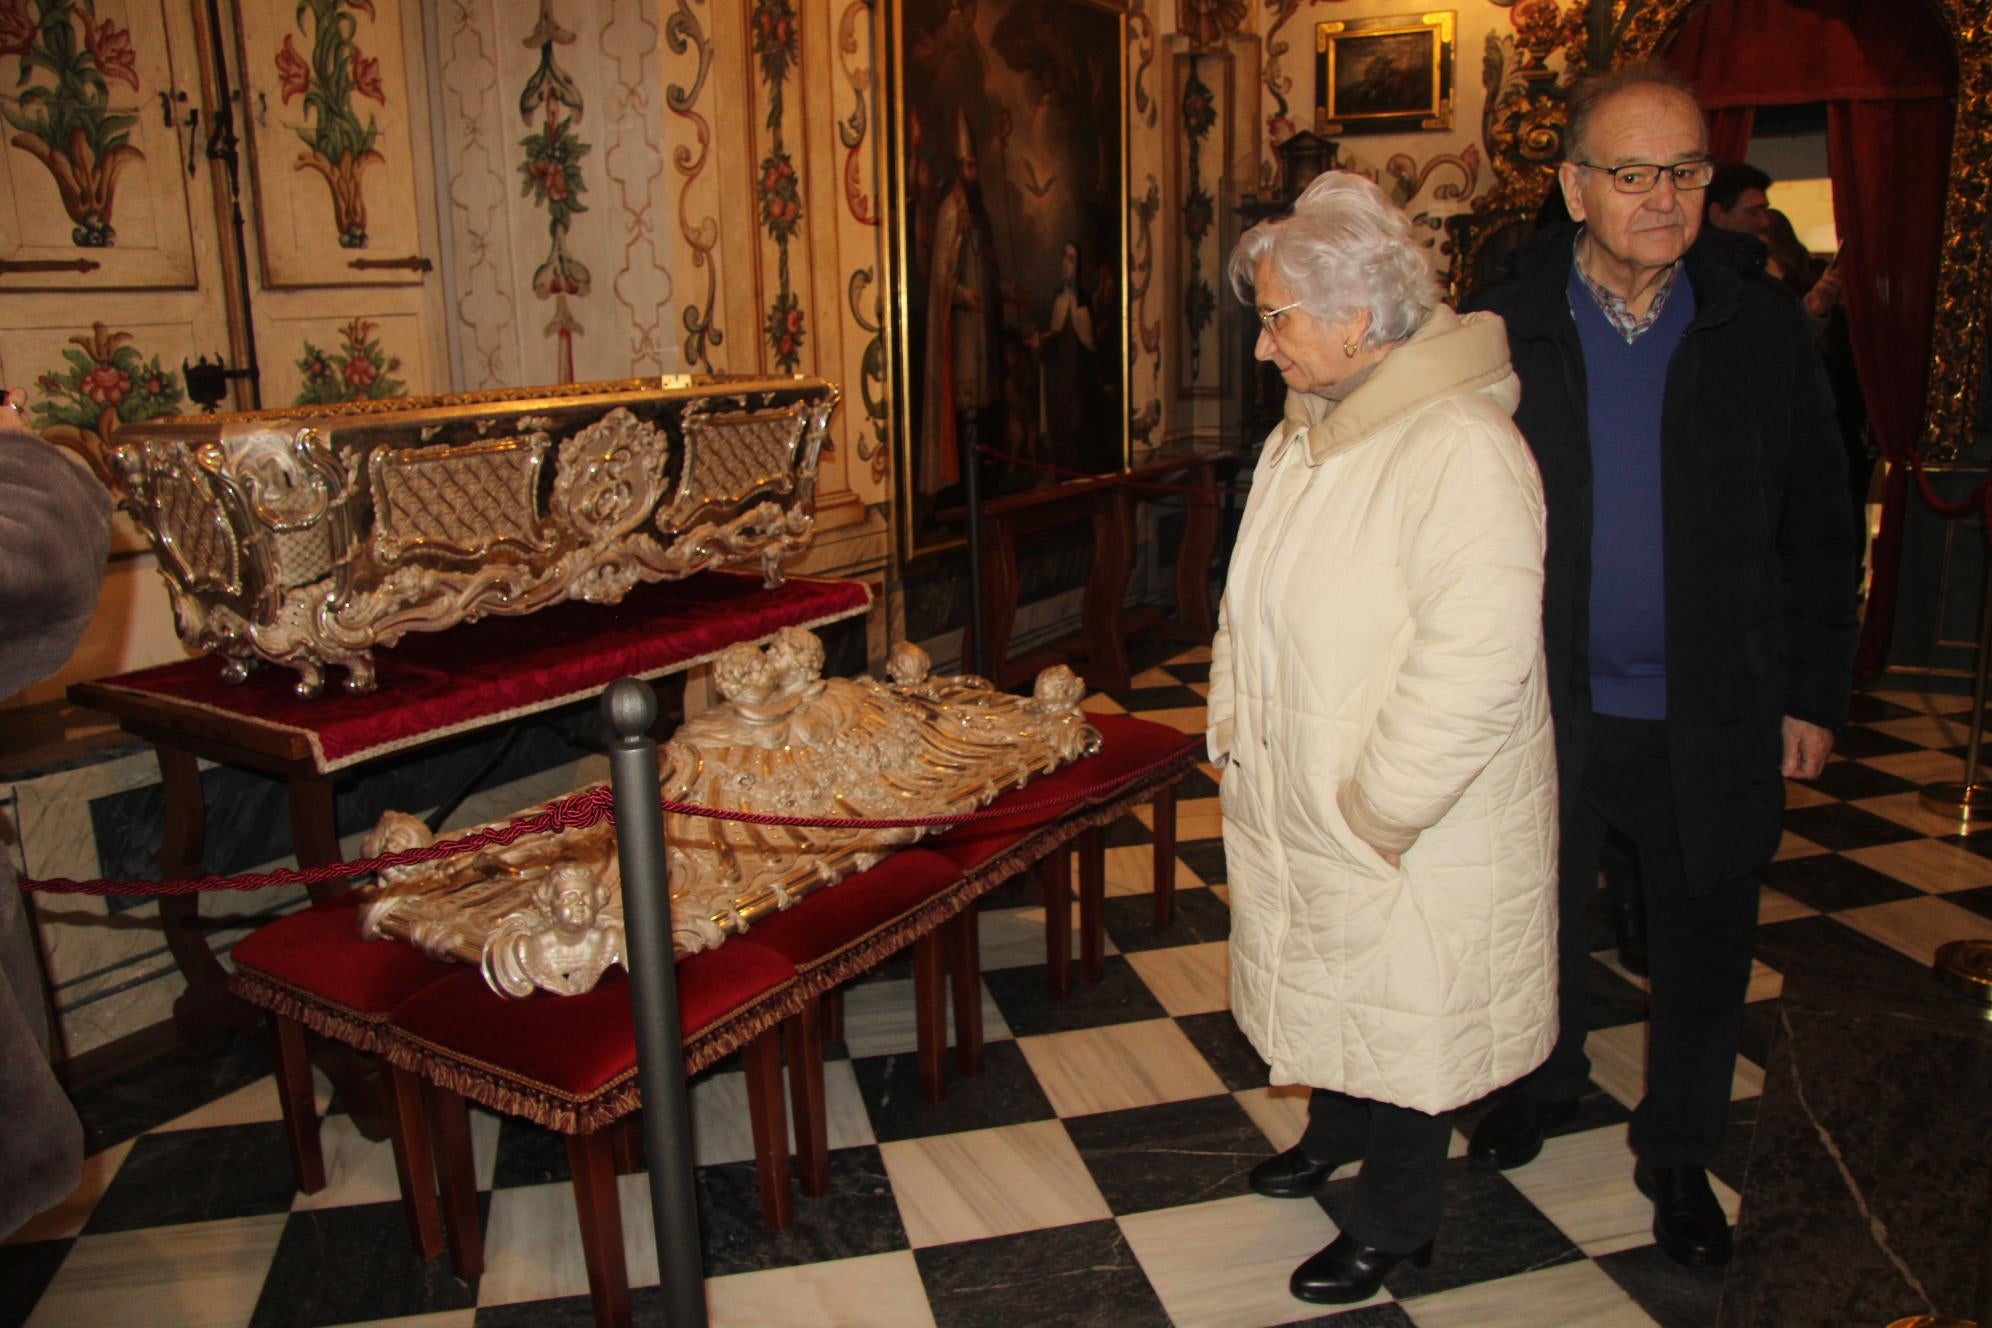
column 1697, row 606
column 1377, row 704
column 54, row 538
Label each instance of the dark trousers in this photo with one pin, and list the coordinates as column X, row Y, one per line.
column 1699, row 939
column 1401, row 1187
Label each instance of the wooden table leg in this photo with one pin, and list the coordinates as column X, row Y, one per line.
column 1092, row 904
column 315, row 830
column 804, row 1035
column 591, row 1160
column 1165, row 855
column 415, row 1165
column 1106, row 591
column 964, row 944
column 299, row 1104
column 456, row 1172
column 205, row 1013
column 763, row 1059
column 1054, row 873
column 930, row 1015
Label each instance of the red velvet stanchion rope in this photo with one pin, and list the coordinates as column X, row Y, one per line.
column 1149, row 486
column 1979, row 500
column 571, row 813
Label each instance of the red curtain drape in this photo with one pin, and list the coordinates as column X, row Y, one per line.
column 1886, row 73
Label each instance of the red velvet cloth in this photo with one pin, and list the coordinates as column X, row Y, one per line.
column 1729, row 130
column 1785, row 52
column 579, row 1046
column 320, row 953
column 437, row 683
column 822, row 925
column 1127, row 744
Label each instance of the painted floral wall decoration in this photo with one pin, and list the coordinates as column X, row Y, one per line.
column 778, row 47
column 360, row 370
column 551, row 177
column 1199, row 114
column 105, row 382
column 60, row 105
column 339, row 146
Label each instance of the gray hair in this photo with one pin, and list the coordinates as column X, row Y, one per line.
column 1592, row 91
column 1345, row 249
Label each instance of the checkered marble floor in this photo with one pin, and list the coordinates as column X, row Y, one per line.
column 1094, row 1174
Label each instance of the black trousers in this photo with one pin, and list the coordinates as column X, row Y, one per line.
column 1401, row 1188
column 1699, row 939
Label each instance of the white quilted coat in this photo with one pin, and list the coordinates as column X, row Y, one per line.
column 1377, row 683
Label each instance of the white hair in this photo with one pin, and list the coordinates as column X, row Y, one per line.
column 1344, row 249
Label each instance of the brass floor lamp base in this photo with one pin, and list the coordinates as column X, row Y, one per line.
column 1967, row 804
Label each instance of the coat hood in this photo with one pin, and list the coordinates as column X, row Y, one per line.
column 1448, row 356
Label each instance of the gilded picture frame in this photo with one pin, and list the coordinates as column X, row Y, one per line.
column 1391, row 74
column 1026, row 249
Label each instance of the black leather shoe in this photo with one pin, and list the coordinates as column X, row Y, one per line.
column 1687, row 1221
column 1291, row 1175
column 1511, row 1134
column 1345, row 1271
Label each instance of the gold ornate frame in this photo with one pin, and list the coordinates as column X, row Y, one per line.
column 915, row 540
column 1436, row 111
column 1524, row 139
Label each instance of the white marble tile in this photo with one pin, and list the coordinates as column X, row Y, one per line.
column 359, row 1170
column 1196, row 818
column 1941, row 730
column 1131, row 871
column 1766, row 983
column 1280, row 1113
column 1932, row 865
column 1776, row 906
column 1583, row 1183
column 1122, row 1065
column 1188, row 719
column 1916, row 927
column 1187, row 979
column 1225, row 1264
column 983, row 1183
column 1906, row 809
column 532, row 1242
column 1154, row 678
column 463, row 1318
column 66, row 1218
column 1014, row 937
column 1925, row 767
column 1099, row 703
column 878, row 1289
column 1618, row 1064
column 1791, row 846
column 879, row 1017
column 1581, row 1293
column 1194, row 655
column 1916, row 698
column 249, row 1105
column 195, row 1275
column 723, row 1132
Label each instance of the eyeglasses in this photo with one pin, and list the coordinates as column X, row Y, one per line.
column 1639, row 177
column 1274, row 319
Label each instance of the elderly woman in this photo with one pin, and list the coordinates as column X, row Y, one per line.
column 1377, row 703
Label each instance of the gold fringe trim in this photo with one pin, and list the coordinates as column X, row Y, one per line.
column 328, row 1018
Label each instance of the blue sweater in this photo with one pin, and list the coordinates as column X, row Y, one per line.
column 1627, row 386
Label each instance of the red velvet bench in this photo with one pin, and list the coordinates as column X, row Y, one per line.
column 312, row 970
column 569, row 1063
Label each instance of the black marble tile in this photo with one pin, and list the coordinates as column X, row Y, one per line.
column 1852, row 780
column 1829, row 882
column 1387, row 1315
column 529, row 1154
column 1489, row 1231
column 1141, row 699
column 1198, row 917
column 1195, row 784
column 1760, row 1025
column 1866, row 708
column 857, row 1216
column 567, row 1311
column 1006, row 1093
column 1840, row 827
column 197, row 1176
column 165, row 1087
column 1979, row 901
column 1810, row 944
column 25, row 1272
column 1205, row 857
column 353, row 1265
column 1170, row 1155
column 1127, row 832
column 1016, row 892
column 1079, row 1276
column 1188, row 672
column 1119, row 997
column 1855, row 741
column 1596, row 1109
column 1732, row 1160
column 1226, row 1049
column 1672, row 1296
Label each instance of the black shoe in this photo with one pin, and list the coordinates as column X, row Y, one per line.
column 1687, row 1221
column 1291, row 1175
column 1511, row 1135
column 1345, row 1271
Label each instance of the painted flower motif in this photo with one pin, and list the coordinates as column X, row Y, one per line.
column 314, row 364
column 366, row 76
column 106, row 384
column 777, row 38
column 1199, row 213
column 781, row 196
column 785, row 330
column 1199, row 112
column 1279, row 128
column 293, row 74
column 110, row 46
column 17, row 28
column 360, row 372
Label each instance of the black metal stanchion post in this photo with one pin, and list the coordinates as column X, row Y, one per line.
column 971, row 489
column 631, row 708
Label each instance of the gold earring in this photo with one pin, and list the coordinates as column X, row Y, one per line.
column 1349, row 348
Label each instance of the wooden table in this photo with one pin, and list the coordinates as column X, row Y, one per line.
column 433, row 687
column 1109, row 505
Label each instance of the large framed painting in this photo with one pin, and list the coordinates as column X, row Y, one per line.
column 1385, row 75
column 1006, row 133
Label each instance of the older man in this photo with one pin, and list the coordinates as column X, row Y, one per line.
column 1697, row 611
